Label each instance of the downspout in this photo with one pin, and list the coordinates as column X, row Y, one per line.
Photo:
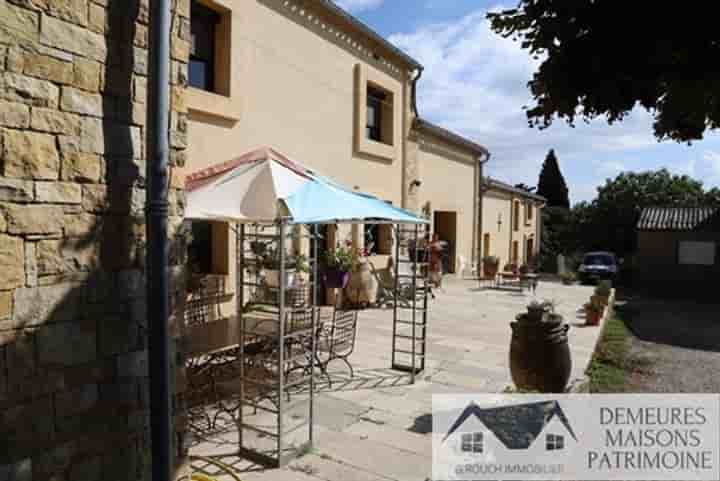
column 479, row 204
column 418, row 74
column 158, row 309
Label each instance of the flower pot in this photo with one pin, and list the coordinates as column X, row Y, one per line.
column 272, row 277
column 602, row 300
column 334, row 279
column 362, row 287
column 592, row 318
column 540, row 356
column 490, row 269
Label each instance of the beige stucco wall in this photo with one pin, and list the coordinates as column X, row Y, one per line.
column 294, row 86
column 497, row 206
column 295, row 90
column 448, row 177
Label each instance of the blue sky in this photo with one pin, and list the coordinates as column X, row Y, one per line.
column 475, row 83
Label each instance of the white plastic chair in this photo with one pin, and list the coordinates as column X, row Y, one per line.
column 463, row 267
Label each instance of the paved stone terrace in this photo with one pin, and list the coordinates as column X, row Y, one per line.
column 371, row 434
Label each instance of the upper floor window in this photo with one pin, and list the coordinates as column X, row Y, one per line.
column 516, row 215
column 203, row 26
column 379, row 126
column 529, row 212
column 375, row 99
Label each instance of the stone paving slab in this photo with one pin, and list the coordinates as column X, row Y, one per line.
column 377, row 434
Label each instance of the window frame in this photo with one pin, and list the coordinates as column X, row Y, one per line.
column 217, row 246
column 554, row 442
column 210, row 19
column 686, row 245
column 376, row 97
column 387, row 148
column 529, row 213
column 474, row 442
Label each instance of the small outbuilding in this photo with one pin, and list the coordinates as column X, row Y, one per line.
column 678, row 250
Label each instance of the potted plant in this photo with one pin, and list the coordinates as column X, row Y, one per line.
column 539, row 352
column 337, row 266
column 270, row 263
column 602, row 292
column 593, row 313
column 490, row 265
column 568, row 278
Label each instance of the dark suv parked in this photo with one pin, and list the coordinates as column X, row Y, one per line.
column 598, row 266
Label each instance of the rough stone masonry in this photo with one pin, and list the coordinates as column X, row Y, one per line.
column 73, row 360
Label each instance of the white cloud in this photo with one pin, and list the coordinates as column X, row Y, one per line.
column 610, row 167
column 355, row 6
column 475, row 82
column 712, row 165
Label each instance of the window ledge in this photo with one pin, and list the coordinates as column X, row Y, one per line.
column 376, row 149
column 212, row 104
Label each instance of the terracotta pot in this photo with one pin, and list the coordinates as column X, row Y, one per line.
column 602, row 300
column 490, row 269
column 540, row 356
column 592, row 318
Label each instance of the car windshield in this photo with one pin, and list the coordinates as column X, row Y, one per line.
column 598, row 260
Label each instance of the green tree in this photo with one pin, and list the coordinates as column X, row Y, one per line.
column 602, row 58
column 615, row 211
column 551, row 183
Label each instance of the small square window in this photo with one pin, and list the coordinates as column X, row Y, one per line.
column 554, row 442
column 472, row 443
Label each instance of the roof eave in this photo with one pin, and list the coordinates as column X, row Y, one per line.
column 366, row 30
column 422, row 125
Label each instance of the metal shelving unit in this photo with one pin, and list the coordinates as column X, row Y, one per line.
column 275, row 417
column 410, row 320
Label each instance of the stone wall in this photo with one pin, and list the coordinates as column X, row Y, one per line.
column 73, row 359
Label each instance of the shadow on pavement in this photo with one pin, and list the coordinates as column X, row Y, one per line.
column 679, row 323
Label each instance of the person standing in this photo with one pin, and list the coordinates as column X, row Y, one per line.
column 435, row 248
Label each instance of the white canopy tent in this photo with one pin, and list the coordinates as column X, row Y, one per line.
column 264, row 186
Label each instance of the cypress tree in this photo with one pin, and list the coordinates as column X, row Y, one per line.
column 551, row 184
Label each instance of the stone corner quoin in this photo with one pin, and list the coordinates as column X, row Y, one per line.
column 73, row 368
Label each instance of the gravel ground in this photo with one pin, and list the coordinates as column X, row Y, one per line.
column 676, row 346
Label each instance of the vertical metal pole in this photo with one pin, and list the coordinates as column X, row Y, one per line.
column 281, row 344
column 157, row 253
column 395, row 291
column 240, row 299
column 414, row 303
column 315, row 314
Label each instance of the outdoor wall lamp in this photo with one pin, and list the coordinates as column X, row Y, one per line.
column 415, row 183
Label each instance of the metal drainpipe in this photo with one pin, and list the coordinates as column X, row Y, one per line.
column 480, row 204
column 157, row 252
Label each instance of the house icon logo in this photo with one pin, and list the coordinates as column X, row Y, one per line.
column 540, row 427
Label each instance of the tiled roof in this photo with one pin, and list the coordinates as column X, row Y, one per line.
column 491, row 183
column 679, row 218
column 424, row 125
